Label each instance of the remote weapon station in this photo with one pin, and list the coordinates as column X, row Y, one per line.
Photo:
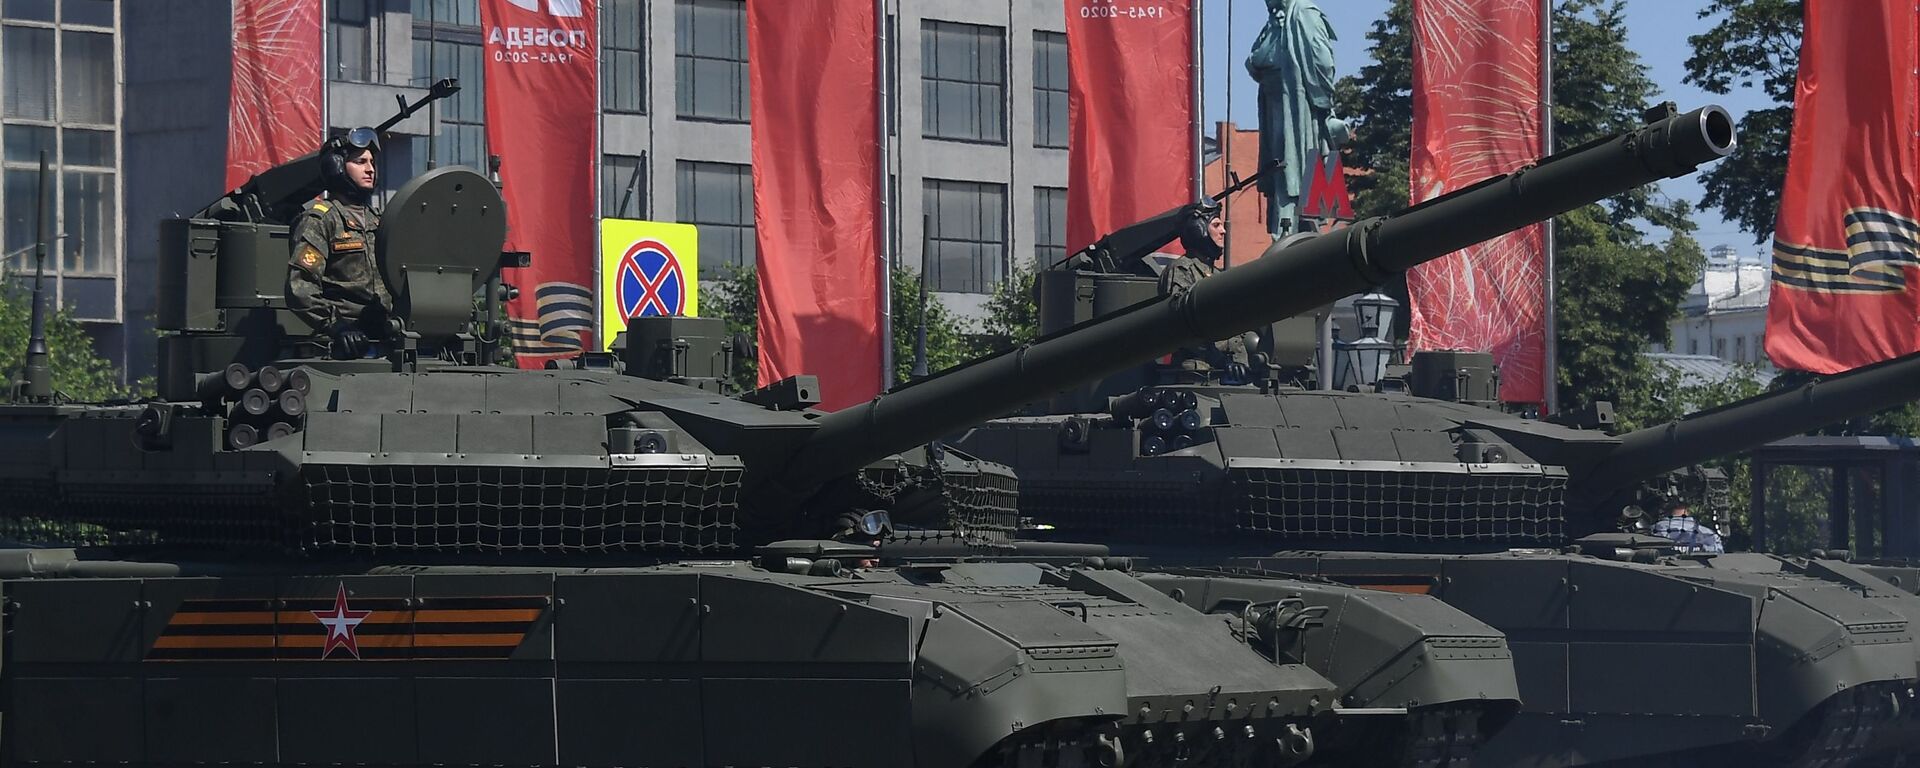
column 423, row 558
column 1201, row 458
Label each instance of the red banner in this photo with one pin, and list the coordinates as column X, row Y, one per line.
column 1129, row 113
column 1844, row 247
column 1476, row 114
column 542, row 86
column 274, row 105
column 816, row 194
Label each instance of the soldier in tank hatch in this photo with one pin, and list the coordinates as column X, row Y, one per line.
column 1677, row 523
column 333, row 279
column 1204, row 238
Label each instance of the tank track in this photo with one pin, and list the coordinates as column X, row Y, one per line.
column 1843, row 732
column 1845, row 729
column 1443, row 737
column 1436, row 737
column 1111, row 745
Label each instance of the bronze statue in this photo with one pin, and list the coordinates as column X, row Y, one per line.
column 1292, row 60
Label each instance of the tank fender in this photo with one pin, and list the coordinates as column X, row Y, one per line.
column 1394, row 650
column 973, row 688
column 1825, row 636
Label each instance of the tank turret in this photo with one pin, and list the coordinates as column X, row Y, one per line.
column 1282, row 283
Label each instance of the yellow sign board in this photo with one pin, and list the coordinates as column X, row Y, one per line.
column 647, row 268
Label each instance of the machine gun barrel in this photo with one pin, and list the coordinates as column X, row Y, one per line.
column 1280, row 284
column 278, row 193
column 1750, row 423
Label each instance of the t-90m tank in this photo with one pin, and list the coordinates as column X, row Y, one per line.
column 1625, row 652
column 423, row 558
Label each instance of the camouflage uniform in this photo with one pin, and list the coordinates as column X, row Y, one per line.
column 1206, row 360
column 333, row 275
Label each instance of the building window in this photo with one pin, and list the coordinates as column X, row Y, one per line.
column 968, row 242
column 28, row 10
column 623, row 71
column 623, row 186
column 718, row 198
column 964, row 78
column 1693, row 346
column 353, row 41
column 60, row 98
column 1050, row 90
column 1720, row 348
column 1049, row 226
column 446, row 43
column 453, row 13
column 1740, row 349
column 98, row 13
column 710, row 60
column 26, row 55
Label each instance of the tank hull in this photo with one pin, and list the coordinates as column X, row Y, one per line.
column 1631, row 661
column 716, row 663
column 1615, row 660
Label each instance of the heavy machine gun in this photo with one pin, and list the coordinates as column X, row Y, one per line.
column 276, row 195
column 1126, row 250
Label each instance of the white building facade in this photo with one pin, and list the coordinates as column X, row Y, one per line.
column 1725, row 314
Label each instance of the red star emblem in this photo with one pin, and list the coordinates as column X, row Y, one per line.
column 340, row 623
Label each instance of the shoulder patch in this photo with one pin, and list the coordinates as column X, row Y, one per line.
column 308, row 257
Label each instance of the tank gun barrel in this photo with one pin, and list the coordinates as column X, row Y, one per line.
column 1750, row 423
column 1280, row 284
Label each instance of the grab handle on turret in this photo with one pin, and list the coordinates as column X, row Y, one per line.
column 1282, row 283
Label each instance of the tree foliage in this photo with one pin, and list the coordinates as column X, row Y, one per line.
column 1753, row 42
column 949, row 341
column 79, row 372
column 1013, row 313
column 736, row 299
column 1617, row 291
column 1379, row 105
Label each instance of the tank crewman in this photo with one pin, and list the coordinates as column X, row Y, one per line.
column 1204, row 239
column 1678, row 524
column 333, row 278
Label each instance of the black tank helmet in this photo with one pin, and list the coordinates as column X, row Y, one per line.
column 1196, row 233
column 333, row 160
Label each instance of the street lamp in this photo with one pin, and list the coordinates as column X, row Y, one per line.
column 1374, row 312
column 1363, row 363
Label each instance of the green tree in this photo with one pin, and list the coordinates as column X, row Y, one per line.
column 1013, row 313
column 79, row 372
column 1379, row 105
column 1752, row 42
column 949, row 337
column 736, row 299
column 1616, row 290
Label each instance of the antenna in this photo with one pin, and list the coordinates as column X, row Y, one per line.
column 920, row 333
column 37, row 385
